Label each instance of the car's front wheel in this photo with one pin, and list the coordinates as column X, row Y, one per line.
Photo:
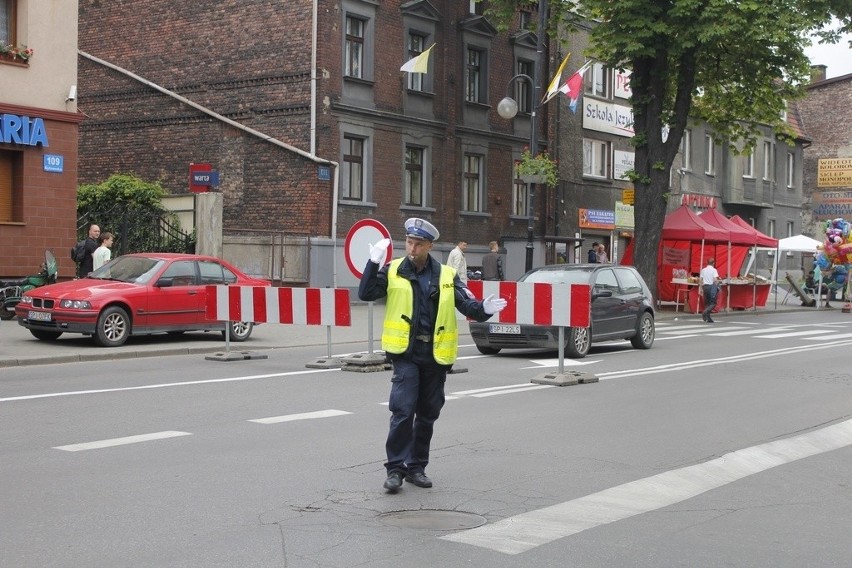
column 45, row 335
column 579, row 342
column 240, row 330
column 645, row 332
column 487, row 350
column 113, row 327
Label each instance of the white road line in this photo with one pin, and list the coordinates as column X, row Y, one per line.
column 526, row 531
column 658, row 338
column 489, row 389
column 708, row 328
column 302, row 416
column 830, row 336
column 167, row 385
column 751, row 331
column 498, row 393
column 121, row 441
column 792, row 334
column 565, row 360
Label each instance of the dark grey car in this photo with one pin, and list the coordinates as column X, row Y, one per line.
column 622, row 308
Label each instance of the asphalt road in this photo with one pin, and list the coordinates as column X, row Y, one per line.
column 723, row 445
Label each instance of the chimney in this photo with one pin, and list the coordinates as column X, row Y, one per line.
column 818, row 73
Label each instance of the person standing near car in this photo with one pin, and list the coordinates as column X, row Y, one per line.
column 710, row 286
column 593, row 253
column 91, row 245
column 103, row 253
column 492, row 264
column 420, row 337
column 600, row 254
column 456, row 260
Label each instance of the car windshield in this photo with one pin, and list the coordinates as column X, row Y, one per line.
column 559, row 276
column 134, row 269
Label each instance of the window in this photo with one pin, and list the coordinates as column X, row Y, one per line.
column 416, row 45
column 526, row 22
column 476, row 7
column 474, row 91
column 748, row 165
column 686, row 150
column 771, row 228
column 520, row 198
column 767, row 160
column 7, row 22
column 790, row 228
column 215, row 273
column 10, row 191
column 354, row 64
column 791, row 162
column 595, row 154
column 630, row 284
column 353, row 168
column 709, row 155
column 182, row 273
column 414, row 176
column 472, row 189
column 523, row 88
column 598, row 81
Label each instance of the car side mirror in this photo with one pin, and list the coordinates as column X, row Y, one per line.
column 602, row 294
column 165, row 282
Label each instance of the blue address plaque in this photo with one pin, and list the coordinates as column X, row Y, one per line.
column 54, row 163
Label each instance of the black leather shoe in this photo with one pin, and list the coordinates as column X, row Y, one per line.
column 710, row 320
column 419, row 479
column 393, row 482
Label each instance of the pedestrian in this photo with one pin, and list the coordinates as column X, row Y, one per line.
column 91, row 245
column 103, row 253
column 710, row 286
column 593, row 253
column 420, row 337
column 456, row 260
column 492, row 263
column 601, row 255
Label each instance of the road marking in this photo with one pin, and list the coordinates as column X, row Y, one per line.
column 526, row 388
column 793, row 334
column 302, row 416
column 166, row 385
column 832, row 336
column 526, row 531
column 751, row 331
column 489, row 389
column 565, row 360
column 708, row 328
column 121, row 441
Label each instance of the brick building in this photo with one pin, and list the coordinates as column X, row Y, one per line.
column 182, row 83
column 38, row 134
column 825, row 113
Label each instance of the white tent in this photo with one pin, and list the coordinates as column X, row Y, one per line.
column 798, row 243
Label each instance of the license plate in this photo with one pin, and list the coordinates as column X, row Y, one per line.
column 504, row 328
column 39, row 316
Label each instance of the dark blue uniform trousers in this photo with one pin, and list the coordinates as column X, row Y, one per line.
column 416, row 399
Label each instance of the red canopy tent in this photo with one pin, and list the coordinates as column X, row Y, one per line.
column 761, row 239
column 729, row 257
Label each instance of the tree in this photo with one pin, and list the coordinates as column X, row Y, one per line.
column 733, row 65
column 132, row 210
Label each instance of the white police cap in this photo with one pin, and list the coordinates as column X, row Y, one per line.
column 421, row 229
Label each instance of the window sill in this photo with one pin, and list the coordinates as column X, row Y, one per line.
column 474, row 214
column 354, row 203
column 474, row 104
column 417, row 208
column 358, row 80
column 13, row 62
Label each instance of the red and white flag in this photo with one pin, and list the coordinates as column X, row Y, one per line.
column 573, row 87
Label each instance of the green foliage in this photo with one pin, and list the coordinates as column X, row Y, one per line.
column 539, row 165
column 132, row 210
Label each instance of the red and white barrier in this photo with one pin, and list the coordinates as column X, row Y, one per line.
column 265, row 304
column 567, row 305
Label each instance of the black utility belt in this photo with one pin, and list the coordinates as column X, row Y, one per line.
column 423, row 338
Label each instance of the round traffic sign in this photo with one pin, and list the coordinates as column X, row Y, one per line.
column 364, row 233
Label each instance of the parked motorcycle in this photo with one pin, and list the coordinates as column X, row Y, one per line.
column 12, row 290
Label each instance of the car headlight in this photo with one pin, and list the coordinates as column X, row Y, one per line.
column 27, row 300
column 75, row 304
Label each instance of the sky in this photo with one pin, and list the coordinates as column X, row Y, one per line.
column 837, row 57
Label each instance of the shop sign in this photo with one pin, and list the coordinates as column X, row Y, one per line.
column 624, row 216
column 698, row 201
column 621, row 89
column 597, row 219
column 608, row 117
column 622, row 163
column 834, row 172
column 24, row 130
column 832, row 204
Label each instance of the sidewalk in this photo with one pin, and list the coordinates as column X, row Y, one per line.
column 18, row 347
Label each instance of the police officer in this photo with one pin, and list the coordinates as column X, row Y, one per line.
column 420, row 337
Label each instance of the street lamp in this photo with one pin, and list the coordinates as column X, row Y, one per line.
column 508, row 109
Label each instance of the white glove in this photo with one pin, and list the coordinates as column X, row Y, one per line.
column 379, row 251
column 492, row 305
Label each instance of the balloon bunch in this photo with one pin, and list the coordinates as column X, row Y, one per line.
column 838, row 243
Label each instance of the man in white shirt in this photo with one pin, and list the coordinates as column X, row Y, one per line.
column 710, row 285
column 456, row 260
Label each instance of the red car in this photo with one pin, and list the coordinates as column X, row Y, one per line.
column 135, row 294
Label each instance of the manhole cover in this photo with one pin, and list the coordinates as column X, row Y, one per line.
column 432, row 519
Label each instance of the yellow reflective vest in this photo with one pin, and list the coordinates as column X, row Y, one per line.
column 397, row 332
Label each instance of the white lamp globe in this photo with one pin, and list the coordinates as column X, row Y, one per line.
column 507, row 108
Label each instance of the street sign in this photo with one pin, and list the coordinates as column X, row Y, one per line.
column 628, row 196
column 194, row 169
column 205, row 178
column 364, row 233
